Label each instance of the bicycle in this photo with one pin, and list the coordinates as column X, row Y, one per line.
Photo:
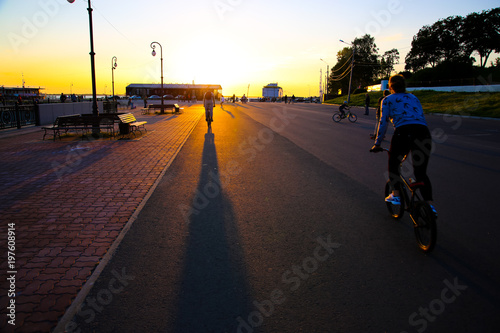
column 424, row 219
column 337, row 116
column 208, row 117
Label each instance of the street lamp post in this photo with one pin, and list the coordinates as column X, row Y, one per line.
column 95, row 110
column 113, row 67
column 153, row 46
column 352, row 68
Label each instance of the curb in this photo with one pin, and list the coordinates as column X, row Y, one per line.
column 460, row 116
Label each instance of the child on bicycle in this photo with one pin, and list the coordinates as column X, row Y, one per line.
column 411, row 135
column 341, row 109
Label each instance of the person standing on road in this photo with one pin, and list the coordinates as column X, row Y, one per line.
column 208, row 103
column 379, row 112
column 221, row 100
column 411, row 135
column 367, row 104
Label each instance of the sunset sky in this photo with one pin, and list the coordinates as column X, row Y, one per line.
column 234, row 43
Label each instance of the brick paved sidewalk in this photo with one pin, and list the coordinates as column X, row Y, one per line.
column 69, row 201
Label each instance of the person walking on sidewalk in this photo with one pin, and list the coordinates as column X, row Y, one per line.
column 208, row 103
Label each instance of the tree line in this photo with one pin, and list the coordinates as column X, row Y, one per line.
column 456, row 39
column 449, row 43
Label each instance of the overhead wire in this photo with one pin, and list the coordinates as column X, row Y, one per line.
column 347, row 62
column 343, row 75
column 111, row 24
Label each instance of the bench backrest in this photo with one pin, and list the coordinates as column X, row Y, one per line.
column 127, row 118
column 68, row 120
column 158, row 106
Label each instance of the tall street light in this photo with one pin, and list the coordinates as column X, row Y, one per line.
column 95, row 110
column 327, row 74
column 113, row 67
column 352, row 68
column 153, row 46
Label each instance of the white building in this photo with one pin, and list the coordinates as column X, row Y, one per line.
column 272, row 90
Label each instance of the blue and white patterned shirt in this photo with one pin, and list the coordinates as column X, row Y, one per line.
column 401, row 109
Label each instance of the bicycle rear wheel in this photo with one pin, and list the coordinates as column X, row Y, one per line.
column 424, row 226
column 336, row 117
column 396, row 211
column 352, row 117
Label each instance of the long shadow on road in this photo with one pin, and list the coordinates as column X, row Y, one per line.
column 213, row 290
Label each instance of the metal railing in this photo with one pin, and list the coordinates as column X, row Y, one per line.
column 17, row 116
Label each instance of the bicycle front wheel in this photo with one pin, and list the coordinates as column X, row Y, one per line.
column 352, row 117
column 396, row 211
column 336, row 117
column 424, row 226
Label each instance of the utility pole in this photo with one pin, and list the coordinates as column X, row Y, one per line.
column 321, row 86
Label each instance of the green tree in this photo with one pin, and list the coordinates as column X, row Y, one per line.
column 339, row 76
column 481, row 33
column 423, row 50
column 366, row 63
column 454, row 40
column 441, row 42
column 387, row 62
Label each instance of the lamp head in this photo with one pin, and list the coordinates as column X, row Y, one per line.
column 71, row 1
column 153, row 53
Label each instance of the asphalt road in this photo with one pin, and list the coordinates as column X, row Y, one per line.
column 274, row 221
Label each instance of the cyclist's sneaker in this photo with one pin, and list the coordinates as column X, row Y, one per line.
column 393, row 200
column 434, row 210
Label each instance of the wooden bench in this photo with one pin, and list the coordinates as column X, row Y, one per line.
column 62, row 123
column 174, row 107
column 77, row 122
column 129, row 124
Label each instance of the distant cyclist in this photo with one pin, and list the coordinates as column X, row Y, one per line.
column 341, row 109
column 411, row 135
column 209, row 103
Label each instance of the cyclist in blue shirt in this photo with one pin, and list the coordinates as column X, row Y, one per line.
column 411, row 134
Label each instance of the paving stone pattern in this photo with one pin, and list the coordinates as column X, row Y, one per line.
column 69, row 200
